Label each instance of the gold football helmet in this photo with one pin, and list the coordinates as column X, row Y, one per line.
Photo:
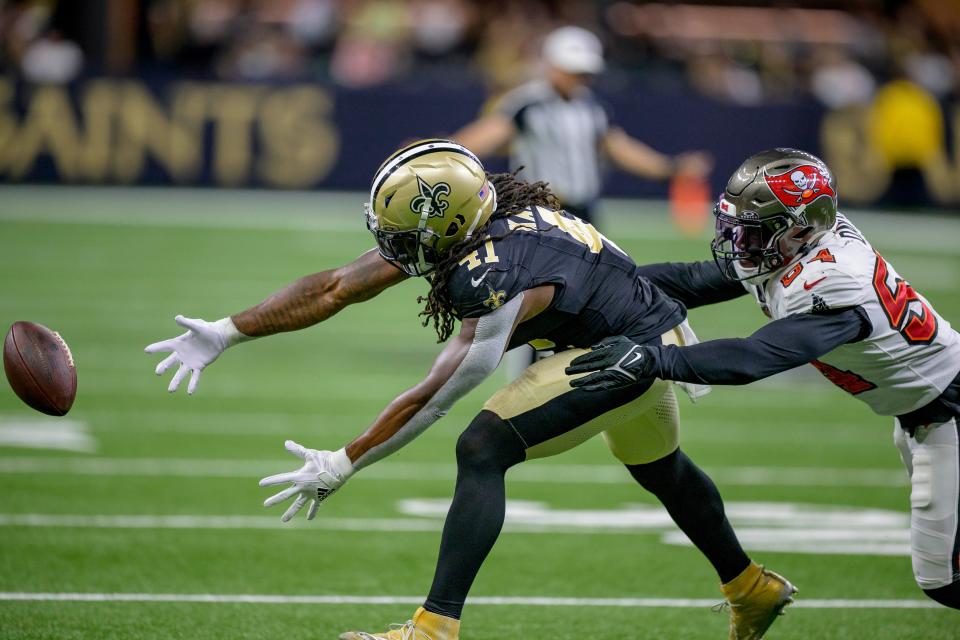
column 425, row 198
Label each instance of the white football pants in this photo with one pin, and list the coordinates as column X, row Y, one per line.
column 932, row 458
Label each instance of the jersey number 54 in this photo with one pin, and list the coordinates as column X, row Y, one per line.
column 906, row 312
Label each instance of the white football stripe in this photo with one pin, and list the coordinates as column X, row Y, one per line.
column 686, row 603
column 432, row 143
column 428, row 471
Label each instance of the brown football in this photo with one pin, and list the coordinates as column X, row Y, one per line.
column 39, row 367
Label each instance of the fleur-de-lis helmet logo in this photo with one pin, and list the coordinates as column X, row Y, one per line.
column 429, row 200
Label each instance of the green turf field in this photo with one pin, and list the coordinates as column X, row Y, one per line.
column 142, row 508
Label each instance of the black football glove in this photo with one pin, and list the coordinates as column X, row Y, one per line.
column 617, row 362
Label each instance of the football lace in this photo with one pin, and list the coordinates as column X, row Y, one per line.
column 66, row 348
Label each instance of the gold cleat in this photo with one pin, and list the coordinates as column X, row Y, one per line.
column 756, row 597
column 406, row 632
column 424, row 626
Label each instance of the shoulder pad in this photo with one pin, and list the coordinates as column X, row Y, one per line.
column 484, row 279
column 484, row 290
column 819, row 283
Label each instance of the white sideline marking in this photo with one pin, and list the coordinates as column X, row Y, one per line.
column 375, row 525
column 685, row 603
column 389, row 525
column 214, row 522
column 241, row 222
column 46, row 433
column 181, row 208
column 244, row 221
column 199, row 208
column 217, row 209
column 429, row 471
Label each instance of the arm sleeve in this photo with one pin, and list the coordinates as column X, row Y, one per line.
column 778, row 346
column 489, row 342
column 694, row 284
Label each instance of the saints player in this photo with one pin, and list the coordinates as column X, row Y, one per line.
column 505, row 262
column 835, row 303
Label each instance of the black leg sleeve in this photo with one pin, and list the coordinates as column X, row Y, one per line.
column 484, row 453
column 694, row 503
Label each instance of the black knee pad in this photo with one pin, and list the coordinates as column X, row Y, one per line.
column 948, row 596
column 489, row 443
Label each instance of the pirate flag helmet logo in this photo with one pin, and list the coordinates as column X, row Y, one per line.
column 801, row 185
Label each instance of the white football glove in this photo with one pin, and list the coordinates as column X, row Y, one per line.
column 319, row 478
column 194, row 350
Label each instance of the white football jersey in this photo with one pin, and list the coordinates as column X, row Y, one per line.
column 911, row 355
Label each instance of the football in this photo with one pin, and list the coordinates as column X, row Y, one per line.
column 39, row 367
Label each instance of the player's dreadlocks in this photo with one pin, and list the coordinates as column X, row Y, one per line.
column 513, row 195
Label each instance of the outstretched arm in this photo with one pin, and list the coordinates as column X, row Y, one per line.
column 316, row 297
column 306, row 302
column 462, row 365
column 486, row 135
column 776, row 347
column 694, row 284
column 637, row 158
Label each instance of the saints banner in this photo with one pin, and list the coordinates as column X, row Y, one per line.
column 174, row 131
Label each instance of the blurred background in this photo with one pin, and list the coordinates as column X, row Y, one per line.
column 311, row 94
column 269, row 118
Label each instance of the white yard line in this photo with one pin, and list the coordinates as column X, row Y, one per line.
column 686, row 603
column 44, row 520
column 240, row 222
column 428, row 471
column 366, row 525
column 328, row 222
column 785, row 528
column 46, row 433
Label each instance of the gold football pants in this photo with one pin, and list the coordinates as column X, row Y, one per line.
column 640, row 424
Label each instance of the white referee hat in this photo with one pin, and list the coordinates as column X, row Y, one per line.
column 574, row 50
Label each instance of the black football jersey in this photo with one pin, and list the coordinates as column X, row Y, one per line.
column 599, row 291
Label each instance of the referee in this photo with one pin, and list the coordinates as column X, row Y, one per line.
column 559, row 130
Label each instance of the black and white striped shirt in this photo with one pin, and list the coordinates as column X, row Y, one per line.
column 558, row 139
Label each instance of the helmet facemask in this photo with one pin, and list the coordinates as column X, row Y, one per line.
column 425, row 199
column 748, row 247
column 414, row 252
